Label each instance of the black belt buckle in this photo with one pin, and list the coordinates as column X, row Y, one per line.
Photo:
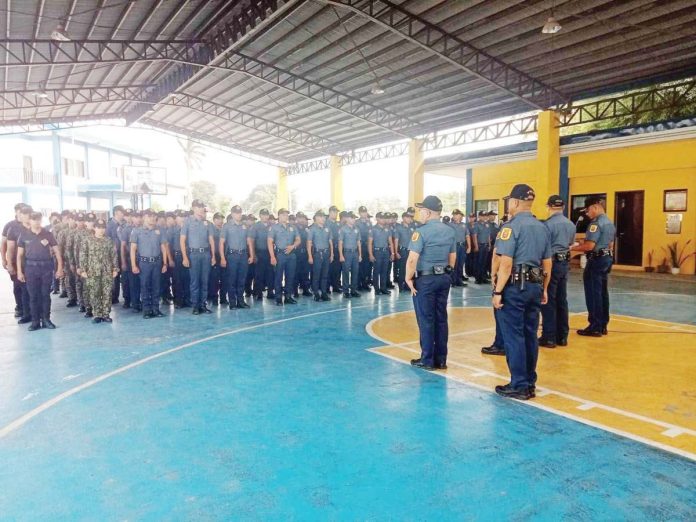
column 145, row 259
column 562, row 256
column 438, row 270
column 199, row 250
column 236, row 251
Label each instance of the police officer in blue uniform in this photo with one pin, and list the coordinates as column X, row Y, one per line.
column 320, row 252
column 217, row 280
column 402, row 236
column 334, row 225
column 524, row 272
column 554, row 325
column 283, row 240
column 302, row 279
column 350, row 254
column 431, row 258
column 498, row 346
column 379, row 249
column 262, row 270
column 364, row 225
column 182, row 282
column 148, row 253
column 470, row 263
column 198, row 252
column 237, row 248
column 483, row 240
column 598, row 247
column 463, row 241
column 116, row 221
column 35, row 247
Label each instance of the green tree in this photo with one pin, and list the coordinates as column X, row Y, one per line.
column 261, row 196
column 205, row 191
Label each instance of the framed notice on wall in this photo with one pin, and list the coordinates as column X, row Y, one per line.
column 674, row 222
column 675, row 201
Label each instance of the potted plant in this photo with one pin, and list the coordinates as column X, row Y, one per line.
column 663, row 267
column 678, row 258
column 649, row 267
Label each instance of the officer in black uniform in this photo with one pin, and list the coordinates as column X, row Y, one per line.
column 524, row 272
column 35, row 247
column 431, row 259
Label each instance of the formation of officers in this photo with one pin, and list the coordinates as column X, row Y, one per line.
column 182, row 258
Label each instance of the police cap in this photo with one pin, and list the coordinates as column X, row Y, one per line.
column 320, row 213
column 457, row 212
column 363, row 208
column 34, row 216
column 197, row 203
column 264, row 212
column 218, row 215
column 100, row 223
column 555, row 201
column 333, row 208
column 236, row 209
column 301, row 215
column 446, row 219
column 592, row 200
column 431, row 203
column 349, row 214
column 283, row 211
column 522, row 192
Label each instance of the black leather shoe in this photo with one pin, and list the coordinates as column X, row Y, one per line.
column 419, row 364
column 605, row 331
column 243, row 305
column 126, row 306
column 148, row 315
column 326, row 297
column 512, row 393
column 157, row 313
column 390, row 285
column 107, row 319
column 355, row 294
column 279, row 302
column 63, row 295
column 493, row 350
column 232, row 306
column 290, row 300
column 271, row 295
column 307, row 293
column 195, row 311
column 589, row 333
column 205, row 310
column 89, row 314
column 24, row 320
column 440, row 366
column 546, row 344
column 82, row 309
column 177, row 306
column 317, row 297
column 55, row 292
column 347, row 295
column 562, row 342
column 34, row 326
column 46, row 323
column 97, row 320
column 17, row 314
column 71, row 304
column 224, row 301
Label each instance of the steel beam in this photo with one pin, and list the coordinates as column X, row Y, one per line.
column 454, row 50
column 48, row 123
column 71, row 96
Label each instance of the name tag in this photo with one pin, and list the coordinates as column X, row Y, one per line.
column 44, row 242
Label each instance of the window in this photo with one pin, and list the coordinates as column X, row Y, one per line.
column 73, row 167
column 577, row 203
column 486, row 205
column 27, row 163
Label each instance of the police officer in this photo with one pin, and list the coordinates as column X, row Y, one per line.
column 524, row 272
column 237, row 249
column 350, row 255
column 262, row 275
column 554, row 326
column 402, row 236
column 217, row 292
column 498, row 346
column 283, row 240
column 79, row 245
column 117, row 216
column 198, row 252
column 320, row 251
column 470, row 263
column 598, row 247
column 35, row 268
column 98, row 263
column 380, row 252
column 432, row 255
column 10, row 235
column 463, row 241
column 133, row 278
column 148, row 252
column 181, row 278
column 302, row 255
column 364, row 225
column 335, row 267
column 483, row 240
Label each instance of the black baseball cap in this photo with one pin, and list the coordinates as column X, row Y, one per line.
column 333, row 208
column 236, row 209
column 592, row 200
column 319, row 213
column 100, row 223
column 457, row 212
column 431, row 203
column 36, row 215
column 283, row 211
column 197, row 203
column 264, row 212
column 522, row 192
column 555, row 201
column 363, row 208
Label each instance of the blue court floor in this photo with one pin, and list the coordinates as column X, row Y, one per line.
column 283, row 414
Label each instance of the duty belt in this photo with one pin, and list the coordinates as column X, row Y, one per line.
column 177, row 253
column 321, row 250
column 599, row 253
column 350, row 250
column 562, row 256
column 522, row 274
column 38, row 262
column 144, row 259
column 279, row 250
column 436, row 270
column 461, row 243
column 242, row 251
column 379, row 249
column 198, row 250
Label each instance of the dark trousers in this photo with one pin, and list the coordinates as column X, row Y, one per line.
column 554, row 314
column 39, row 276
column 458, row 272
column 403, row 252
column 262, row 272
column 134, row 290
column 381, row 269
column 482, row 262
column 125, row 283
column 251, row 270
column 351, row 271
column 116, row 287
column 150, row 278
column 26, row 301
column 595, row 279
column 285, row 273
column 498, row 341
column 430, row 304
column 236, row 272
column 217, row 282
column 166, row 283
column 469, row 264
column 199, row 272
column 302, row 269
column 182, row 282
column 335, row 271
column 366, row 267
column 320, row 272
column 519, row 321
column 17, row 292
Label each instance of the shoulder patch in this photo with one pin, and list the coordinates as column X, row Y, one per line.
column 157, row 231
column 505, row 234
column 415, row 236
column 593, row 228
column 290, row 229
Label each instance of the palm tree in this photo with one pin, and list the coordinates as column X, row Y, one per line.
column 194, row 154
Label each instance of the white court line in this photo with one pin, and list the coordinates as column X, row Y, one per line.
column 533, row 404
column 668, row 327
column 21, row 421
column 669, row 428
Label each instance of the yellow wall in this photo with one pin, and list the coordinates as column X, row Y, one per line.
column 495, row 181
column 653, row 168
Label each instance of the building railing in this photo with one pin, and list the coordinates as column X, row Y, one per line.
column 9, row 176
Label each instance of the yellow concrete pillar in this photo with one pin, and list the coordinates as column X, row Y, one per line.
column 282, row 194
column 548, row 161
column 336, row 173
column 416, row 172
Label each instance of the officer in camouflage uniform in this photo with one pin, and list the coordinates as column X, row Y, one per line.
column 74, row 284
column 87, row 232
column 99, row 266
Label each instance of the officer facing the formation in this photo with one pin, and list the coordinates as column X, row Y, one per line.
column 35, row 268
column 320, row 251
column 148, row 252
column 237, row 249
column 598, row 247
column 432, row 255
column 463, row 240
column 524, row 272
column 198, row 252
column 283, row 239
column 554, row 325
column 99, row 266
column 402, row 236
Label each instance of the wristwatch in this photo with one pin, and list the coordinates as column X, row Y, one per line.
column 497, row 293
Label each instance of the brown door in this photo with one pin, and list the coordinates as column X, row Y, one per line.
column 629, row 227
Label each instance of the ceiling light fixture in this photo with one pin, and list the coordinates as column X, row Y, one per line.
column 377, row 90
column 59, row 34
column 551, row 26
column 41, row 93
